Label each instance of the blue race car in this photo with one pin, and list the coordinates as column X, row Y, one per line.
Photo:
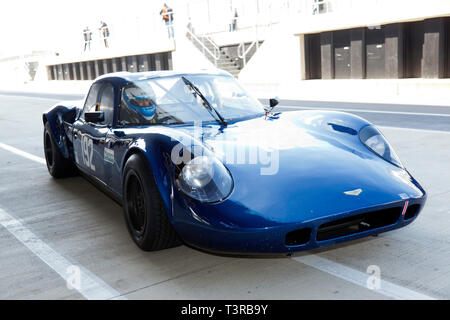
column 193, row 158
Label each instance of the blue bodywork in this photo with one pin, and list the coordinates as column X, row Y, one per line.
column 320, row 158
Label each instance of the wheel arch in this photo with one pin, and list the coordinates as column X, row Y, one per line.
column 54, row 117
column 161, row 172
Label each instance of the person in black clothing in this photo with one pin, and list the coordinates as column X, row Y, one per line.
column 87, row 38
column 167, row 15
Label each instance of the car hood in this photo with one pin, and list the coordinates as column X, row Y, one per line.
column 308, row 165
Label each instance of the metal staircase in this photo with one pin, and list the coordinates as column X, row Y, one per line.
column 222, row 58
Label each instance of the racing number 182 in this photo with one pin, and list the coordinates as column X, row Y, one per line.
column 87, row 150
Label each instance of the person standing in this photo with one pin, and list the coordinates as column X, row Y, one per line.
column 167, row 15
column 233, row 23
column 104, row 30
column 87, row 34
column 190, row 26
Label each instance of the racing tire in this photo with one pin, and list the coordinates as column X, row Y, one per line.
column 57, row 165
column 145, row 215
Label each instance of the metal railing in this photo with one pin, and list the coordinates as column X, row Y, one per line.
column 214, row 45
column 242, row 52
column 215, row 56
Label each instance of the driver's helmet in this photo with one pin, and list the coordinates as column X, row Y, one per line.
column 140, row 101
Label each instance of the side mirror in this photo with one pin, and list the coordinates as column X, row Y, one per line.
column 119, row 133
column 273, row 102
column 94, row 116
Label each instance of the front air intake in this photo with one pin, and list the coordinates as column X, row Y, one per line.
column 412, row 211
column 298, row 237
column 358, row 223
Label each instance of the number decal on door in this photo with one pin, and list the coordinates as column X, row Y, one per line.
column 87, row 150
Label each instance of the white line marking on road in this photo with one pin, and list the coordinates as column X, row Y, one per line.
column 359, row 278
column 370, row 111
column 92, row 287
column 22, row 153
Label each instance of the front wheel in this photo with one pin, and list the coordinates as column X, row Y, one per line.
column 145, row 215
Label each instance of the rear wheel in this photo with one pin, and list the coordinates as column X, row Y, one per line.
column 145, row 214
column 57, row 165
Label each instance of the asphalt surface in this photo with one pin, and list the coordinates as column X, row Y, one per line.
column 47, row 225
column 49, row 95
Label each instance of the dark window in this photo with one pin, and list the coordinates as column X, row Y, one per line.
column 108, row 66
column 165, row 61
column 91, row 99
column 446, row 48
column 313, row 56
column 142, row 63
column 126, row 117
column 375, row 53
column 414, row 38
column 131, row 63
column 107, row 103
column 98, row 68
column 151, row 62
column 60, row 72
column 118, row 63
column 83, row 69
column 90, row 70
column 342, row 54
column 77, row 71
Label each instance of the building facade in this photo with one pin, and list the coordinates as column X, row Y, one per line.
column 418, row 49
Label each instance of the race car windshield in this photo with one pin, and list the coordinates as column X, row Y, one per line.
column 170, row 100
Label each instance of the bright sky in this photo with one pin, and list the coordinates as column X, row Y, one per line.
column 51, row 24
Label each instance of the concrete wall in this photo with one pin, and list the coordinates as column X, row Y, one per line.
column 279, row 60
column 279, row 67
column 346, row 14
column 178, row 54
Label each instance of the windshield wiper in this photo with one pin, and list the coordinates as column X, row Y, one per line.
column 206, row 103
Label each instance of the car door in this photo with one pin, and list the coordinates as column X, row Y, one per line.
column 89, row 138
column 117, row 145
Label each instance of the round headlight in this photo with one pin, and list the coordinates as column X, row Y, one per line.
column 198, row 172
column 205, row 179
column 375, row 141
